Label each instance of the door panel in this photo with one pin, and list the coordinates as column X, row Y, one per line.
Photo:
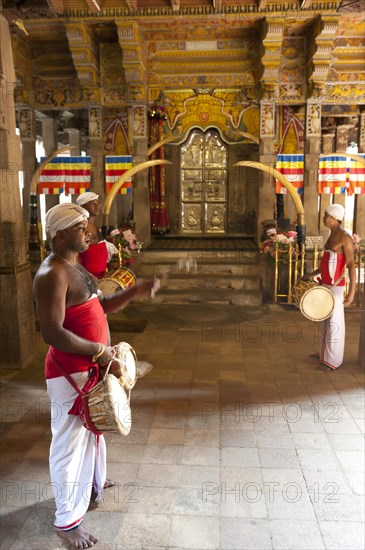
column 203, row 183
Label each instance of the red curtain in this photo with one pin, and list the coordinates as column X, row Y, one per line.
column 160, row 223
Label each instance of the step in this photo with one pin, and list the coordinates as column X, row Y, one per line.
column 221, row 269
column 212, row 281
column 249, row 298
column 215, row 256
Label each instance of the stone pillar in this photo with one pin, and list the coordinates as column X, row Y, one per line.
column 74, row 136
column 17, row 315
column 50, row 144
column 328, row 142
column 26, row 124
column 342, row 138
column 311, row 164
column 96, row 144
column 267, row 197
column 141, row 194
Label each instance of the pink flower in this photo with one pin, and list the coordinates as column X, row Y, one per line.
column 271, row 232
column 357, row 240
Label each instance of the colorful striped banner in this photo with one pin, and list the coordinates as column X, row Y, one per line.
column 355, row 181
column 114, row 168
column 292, row 168
column 332, row 175
column 65, row 174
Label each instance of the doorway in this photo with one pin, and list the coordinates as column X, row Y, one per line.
column 203, row 191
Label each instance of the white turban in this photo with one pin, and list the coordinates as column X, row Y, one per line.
column 337, row 211
column 84, row 198
column 63, row 216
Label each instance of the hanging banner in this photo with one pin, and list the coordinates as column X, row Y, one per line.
column 292, row 168
column 114, row 168
column 355, row 180
column 332, row 175
column 70, row 175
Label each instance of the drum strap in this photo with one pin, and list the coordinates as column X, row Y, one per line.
column 90, row 383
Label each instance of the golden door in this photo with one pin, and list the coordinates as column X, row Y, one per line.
column 203, row 173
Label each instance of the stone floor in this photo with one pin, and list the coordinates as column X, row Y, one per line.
column 239, row 440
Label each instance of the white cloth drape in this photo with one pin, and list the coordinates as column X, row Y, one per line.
column 77, row 457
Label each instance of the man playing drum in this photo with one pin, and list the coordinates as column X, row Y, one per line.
column 73, row 321
column 99, row 253
column 339, row 252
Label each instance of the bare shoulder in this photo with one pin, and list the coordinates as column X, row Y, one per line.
column 346, row 238
column 49, row 276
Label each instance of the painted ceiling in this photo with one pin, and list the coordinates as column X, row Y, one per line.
column 287, row 48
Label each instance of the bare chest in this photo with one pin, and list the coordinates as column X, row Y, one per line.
column 81, row 285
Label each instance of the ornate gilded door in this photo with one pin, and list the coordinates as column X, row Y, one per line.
column 203, row 183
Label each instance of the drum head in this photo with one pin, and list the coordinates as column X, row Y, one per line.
column 126, row 357
column 317, row 303
column 120, row 405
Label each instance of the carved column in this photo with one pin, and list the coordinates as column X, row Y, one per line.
column 311, row 164
column 342, row 136
column 26, row 124
column 50, row 144
column 96, row 141
column 17, row 315
column 267, row 197
column 141, row 193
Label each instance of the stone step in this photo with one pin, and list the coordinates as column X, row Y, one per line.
column 201, row 256
column 220, row 269
column 212, row 281
column 248, row 298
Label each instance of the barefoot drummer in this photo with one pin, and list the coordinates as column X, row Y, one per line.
column 338, row 253
column 73, row 322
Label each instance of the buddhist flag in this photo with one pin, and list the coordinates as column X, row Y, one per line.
column 355, row 181
column 65, row 174
column 51, row 180
column 77, row 173
column 332, row 175
column 292, row 168
column 114, row 168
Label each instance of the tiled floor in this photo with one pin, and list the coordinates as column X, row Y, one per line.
column 239, row 440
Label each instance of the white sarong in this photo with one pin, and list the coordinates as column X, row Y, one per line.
column 332, row 343
column 77, row 457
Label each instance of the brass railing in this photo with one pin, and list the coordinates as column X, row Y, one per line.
column 290, row 264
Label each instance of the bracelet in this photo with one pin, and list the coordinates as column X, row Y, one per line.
column 99, row 353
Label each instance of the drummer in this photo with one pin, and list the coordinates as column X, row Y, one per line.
column 338, row 253
column 73, row 322
column 100, row 252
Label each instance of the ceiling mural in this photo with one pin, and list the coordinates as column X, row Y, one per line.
column 213, row 60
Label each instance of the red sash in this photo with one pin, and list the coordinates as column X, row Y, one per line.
column 88, row 321
column 338, row 262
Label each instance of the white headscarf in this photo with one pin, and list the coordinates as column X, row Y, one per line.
column 337, row 211
column 63, row 216
column 86, row 197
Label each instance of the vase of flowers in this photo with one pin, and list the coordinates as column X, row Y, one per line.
column 283, row 241
column 128, row 245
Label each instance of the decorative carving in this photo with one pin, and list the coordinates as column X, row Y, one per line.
column 313, row 123
column 215, row 218
column 26, row 123
column 95, row 122
column 267, row 119
column 292, row 93
column 139, row 119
